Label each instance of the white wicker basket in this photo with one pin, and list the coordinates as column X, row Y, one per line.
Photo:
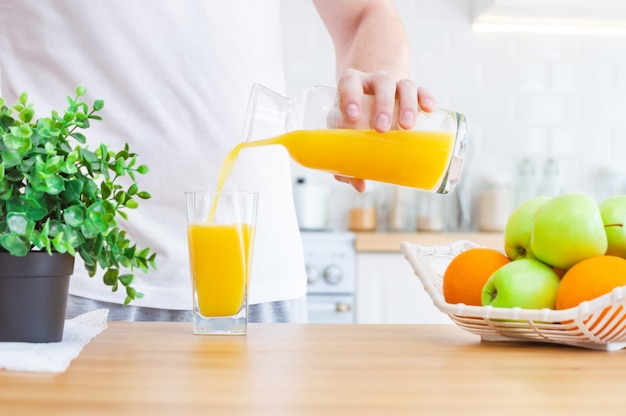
column 598, row 324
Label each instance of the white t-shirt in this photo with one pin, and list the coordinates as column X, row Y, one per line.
column 175, row 76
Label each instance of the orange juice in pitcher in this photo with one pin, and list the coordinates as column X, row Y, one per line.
column 428, row 157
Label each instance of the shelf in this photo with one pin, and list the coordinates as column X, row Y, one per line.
column 390, row 242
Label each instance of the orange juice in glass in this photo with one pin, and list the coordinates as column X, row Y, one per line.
column 220, row 230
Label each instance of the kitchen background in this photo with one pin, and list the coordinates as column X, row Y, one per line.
column 544, row 112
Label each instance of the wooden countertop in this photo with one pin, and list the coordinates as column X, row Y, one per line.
column 154, row 368
column 390, row 242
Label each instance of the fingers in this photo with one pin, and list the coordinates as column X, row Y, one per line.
column 357, row 88
column 358, row 184
column 384, row 89
column 353, row 87
column 351, row 93
column 426, row 100
column 407, row 103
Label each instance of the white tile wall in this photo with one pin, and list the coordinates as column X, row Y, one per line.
column 538, row 96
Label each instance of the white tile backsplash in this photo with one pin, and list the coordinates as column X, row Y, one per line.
column 535, row 96
column 452, row 73
column 552, row 48
column 620, row 76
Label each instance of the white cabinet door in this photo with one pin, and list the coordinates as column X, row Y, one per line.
column 389, row 292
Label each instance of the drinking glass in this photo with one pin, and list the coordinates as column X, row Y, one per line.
column 220, row 230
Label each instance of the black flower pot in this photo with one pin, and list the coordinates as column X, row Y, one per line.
column 33, row 296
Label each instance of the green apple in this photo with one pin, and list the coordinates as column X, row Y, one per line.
column 525, row 283
column 613, row 211
column 519, row 226
column 567, row 229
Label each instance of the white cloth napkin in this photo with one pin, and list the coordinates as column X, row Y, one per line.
column 54, row 357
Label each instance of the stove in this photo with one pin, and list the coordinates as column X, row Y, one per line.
column 331, row 276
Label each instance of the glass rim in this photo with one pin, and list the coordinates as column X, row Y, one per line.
column 222, row 191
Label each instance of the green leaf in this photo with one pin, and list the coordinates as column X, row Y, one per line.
column 24, row 131
column 90, row 189
column 4, row 186
column 80, row 138
column 17, row 222
column 88, row 257
column 98, row 105
column 11, row 158
column 19, row 142
column 88, row 156
column 34, row 207
column 80, row 91
column 6, row 122
column 41, row 240
column 119, row 167
column 120, row 197
column 143, row 169
column 110, row 277
column 15, row 244
column 59, row 244
column 54, row 185
column 105, row 189
column 74, row 216
column 69, row 116
column 23, row 98
column 73, row 190
column 131, row 203
column 27, row 114
column 53, row 164
column 127, row 279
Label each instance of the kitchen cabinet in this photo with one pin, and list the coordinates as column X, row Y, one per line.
column 387, row 289
column 389, row 292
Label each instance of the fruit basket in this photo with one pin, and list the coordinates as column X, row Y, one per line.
column 599, row 324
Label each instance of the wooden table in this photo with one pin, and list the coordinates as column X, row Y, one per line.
column 284, row 369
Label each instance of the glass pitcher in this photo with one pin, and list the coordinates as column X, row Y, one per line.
column 428, row 157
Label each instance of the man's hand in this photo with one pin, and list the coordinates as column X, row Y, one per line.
column 353, row 87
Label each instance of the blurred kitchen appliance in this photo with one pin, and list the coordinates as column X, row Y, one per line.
column 311, row 202
column 331, row 276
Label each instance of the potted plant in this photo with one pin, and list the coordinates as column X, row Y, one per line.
column 59, row 199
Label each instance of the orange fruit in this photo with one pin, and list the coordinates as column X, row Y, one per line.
column 468, row 272
column 590, row 278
